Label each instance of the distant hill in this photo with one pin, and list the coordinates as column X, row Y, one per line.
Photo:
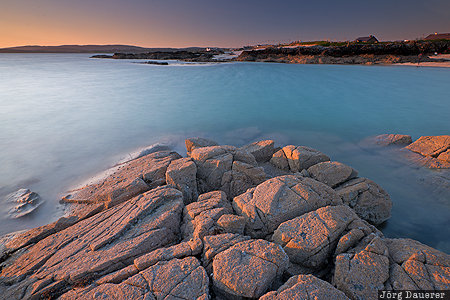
column 89, row 49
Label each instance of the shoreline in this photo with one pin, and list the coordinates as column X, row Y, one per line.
column 158, row 204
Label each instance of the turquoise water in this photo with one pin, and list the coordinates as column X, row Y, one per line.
column 65, row 117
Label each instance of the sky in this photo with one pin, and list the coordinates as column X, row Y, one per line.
column 231, row 23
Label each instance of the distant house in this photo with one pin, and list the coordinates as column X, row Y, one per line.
column 367, row 39
column 438, row 36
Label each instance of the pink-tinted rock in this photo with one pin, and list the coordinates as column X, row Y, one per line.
column 101, row 244
column 367, row 198
column 430, row 145
column 198, row 142
column 280, row 199
column 332, row 173
column 200, row 218
column 248, row 269
column 301, row 157
column 310, row 240
column 305, row 287
column 182, row 174
column 262, row 150
column 129, row 180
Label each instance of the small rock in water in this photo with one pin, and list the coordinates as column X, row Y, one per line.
column 23, row 201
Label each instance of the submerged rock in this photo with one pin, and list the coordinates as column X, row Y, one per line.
column 388, row 140
column 22, row 203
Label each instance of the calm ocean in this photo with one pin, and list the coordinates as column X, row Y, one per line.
column 65, row 117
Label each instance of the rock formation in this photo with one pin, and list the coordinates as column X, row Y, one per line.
column 381, row 53
column 215, row 225
column 22, row 203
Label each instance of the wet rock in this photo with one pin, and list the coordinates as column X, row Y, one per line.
column 332, row 173
column 200, row 218
column 129, row 180
column 367, row 198
column 390, row 139
column 182, row 174
column 305, row 287
column 430, row 145
column 262, row 150
column 198, row 142
column 248, row 269
column 310, row 240
column 101, row 244
column 174, row 279
column 22, row 203
column 280, row 199
column 426, row 161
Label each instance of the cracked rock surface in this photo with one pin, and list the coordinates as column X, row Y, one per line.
column 216, row 225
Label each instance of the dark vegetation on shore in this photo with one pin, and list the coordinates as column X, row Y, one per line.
column 351, row 53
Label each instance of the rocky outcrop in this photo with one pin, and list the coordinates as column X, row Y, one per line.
column 226, row 168
column 349, row 54
column 262, row 150
column 297, row 158
column 182, row 174
column 397, row 264
column 198, row 142
column 201, row 217
column 248, row 269
column 332, row 173
column 430, row 145
column 243, row 236
column 22, row 203
column 195, row 56
column 280, row 199
column 173, row 279
column 98, row 245
column 305, row 287
column 128, row 181
column 311, row 239
column 367, row 199
column 431, row 151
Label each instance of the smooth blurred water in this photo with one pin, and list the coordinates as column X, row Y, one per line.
column 65, row 117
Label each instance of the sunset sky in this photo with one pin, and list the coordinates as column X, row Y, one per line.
column 181, row 23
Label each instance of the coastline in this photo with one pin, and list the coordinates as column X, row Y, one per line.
column 179, row 192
